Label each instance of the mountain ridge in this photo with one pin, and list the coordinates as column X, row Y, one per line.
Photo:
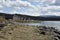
column 43, row 18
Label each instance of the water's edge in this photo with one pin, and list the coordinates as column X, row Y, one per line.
column 55, row 24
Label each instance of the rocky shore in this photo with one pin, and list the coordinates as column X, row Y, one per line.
column 50, row 30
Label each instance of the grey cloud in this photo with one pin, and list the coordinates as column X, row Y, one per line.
column 57, row 3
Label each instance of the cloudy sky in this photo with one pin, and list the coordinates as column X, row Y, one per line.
column 31, row 7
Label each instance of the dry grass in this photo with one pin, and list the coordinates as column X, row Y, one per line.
column 18, row 32
column 2, row 19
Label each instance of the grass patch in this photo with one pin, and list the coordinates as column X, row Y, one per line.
column 2, row 19
column 20, row 32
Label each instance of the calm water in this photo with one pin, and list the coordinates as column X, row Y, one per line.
column 55, row 24
column 45, row 23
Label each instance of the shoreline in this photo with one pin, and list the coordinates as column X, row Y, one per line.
column 9, row 30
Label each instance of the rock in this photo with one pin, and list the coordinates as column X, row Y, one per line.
column 57, row 36
column 56, row 39
column 43, row 33
column 57, row 32
column 1, row 26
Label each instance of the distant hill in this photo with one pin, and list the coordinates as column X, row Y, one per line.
column 10, row 16
column 44, row 18
column 49, row 18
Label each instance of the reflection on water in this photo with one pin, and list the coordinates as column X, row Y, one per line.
column 51, row 24
column 45, row 23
